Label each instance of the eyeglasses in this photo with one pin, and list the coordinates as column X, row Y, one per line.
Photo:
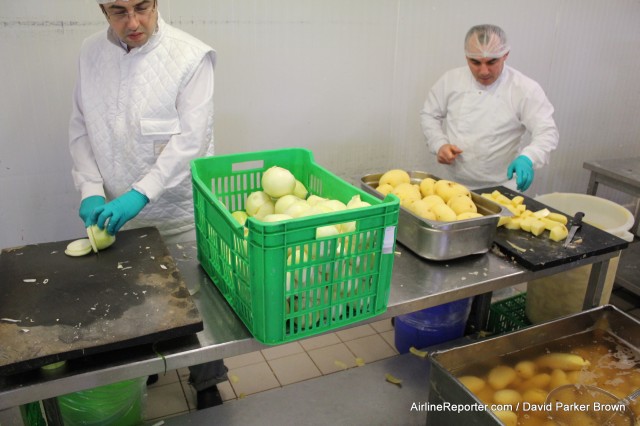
column 141, row 11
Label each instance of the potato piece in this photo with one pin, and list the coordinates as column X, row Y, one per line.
column 535, row 396
column 514, row 223
column 558, row 378
column 526, row 222
column 557, row 217
column 509, row 418
column 550, row 224
column 517, row 200
column 525, row 369
column 444, row 213
column 473, row 383
column 559, row 233
column 501, row 376
column 503, row 220
column 540, row 381
column 507, row 396
column 537, row 227
column 563, row 361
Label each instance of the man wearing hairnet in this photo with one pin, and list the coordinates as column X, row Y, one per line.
column 487, row 121
column 142, row 110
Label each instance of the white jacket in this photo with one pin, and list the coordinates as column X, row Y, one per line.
column 139, row 118
column 488, row 123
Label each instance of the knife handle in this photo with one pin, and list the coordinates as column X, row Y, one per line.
column 577, row 219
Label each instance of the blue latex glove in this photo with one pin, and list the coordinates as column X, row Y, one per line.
column 87, row 206
column 119, row 211
column 523, row 168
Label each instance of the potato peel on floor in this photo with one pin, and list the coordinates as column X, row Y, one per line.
column 416, row 352
column 393, row 380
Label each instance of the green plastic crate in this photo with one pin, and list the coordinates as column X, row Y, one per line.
column 508, row 315
column 343, row 279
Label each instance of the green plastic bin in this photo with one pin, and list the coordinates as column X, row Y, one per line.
column 508, row 315
column 281, row 298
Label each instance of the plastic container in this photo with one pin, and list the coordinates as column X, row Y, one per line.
column 432, row 325
column 563, row 294
column 508, row 315
column 116, row 404
column 279, row 296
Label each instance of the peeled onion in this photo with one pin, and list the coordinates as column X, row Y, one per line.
column 278, row 182
column 285, row 202
column 255, row 201
column 300, row 190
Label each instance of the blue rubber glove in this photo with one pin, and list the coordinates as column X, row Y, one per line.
column 87, row 206
column 523, row 168
column 119, row 211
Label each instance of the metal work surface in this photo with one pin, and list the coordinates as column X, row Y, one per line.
column 56, row 307
column 416, row 284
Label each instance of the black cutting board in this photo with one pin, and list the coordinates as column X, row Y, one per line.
column 541, row 252
column 65, row 307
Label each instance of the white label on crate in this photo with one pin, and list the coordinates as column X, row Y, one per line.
column 389, row 238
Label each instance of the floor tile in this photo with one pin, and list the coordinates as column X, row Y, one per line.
column 166, row 379
column 294, row 368
column 382, row 326
column 355, row 332
column 244, row 359
column 282, row 350
column 330, row 359
column 320, row 341
column 389, row 337
column 370, row 348
column 226, row 391
column 252, row 379
column 165, row 401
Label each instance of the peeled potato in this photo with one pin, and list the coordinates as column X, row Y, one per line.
column 526, row 369
column 473, row 383
column 394, row 177
column 501, row 376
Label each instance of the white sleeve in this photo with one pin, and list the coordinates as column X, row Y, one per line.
column 432, row 116
column 536, row 113
column 195, row 109
column 85, row 172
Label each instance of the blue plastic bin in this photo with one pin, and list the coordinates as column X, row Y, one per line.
column 432, row 325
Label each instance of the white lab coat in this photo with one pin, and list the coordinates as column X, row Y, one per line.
column 139, row 118
column 488, row 123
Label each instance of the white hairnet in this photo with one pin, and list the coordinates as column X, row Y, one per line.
column 485, row 41
column 107, row 1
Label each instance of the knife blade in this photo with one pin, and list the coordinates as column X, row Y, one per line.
column 576, row 223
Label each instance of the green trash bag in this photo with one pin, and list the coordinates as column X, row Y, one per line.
column 118, row 404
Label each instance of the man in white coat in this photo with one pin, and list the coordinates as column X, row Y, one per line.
column 142, row 110
column 476, row 118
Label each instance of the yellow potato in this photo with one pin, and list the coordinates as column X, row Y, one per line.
column 563, row 361
column 473, row 383
column 514, row 223
column 558, row 378
column 507, row 396
column 501, row 376
column 559, row 232
column 535, row 396
column 509, row 418
column 525, row 369
column 537, row 227
column 394, row 177
column 557, row 217
column 426, row 186
column 539, row 381
column 384, row 189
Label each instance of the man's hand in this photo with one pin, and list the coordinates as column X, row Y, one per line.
column 523, row 168
column 448, row 153
column 119, row 211
column 87, row 206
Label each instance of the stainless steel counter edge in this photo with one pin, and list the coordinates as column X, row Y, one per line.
column 416, row 284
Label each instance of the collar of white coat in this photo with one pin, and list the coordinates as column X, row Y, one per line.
column 479, row 86
column 149, row 45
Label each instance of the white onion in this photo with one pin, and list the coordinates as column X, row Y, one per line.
column 297, row 209
column 285, row 202
column 275, row 217
column 278, row 182
column 300, row 190
column 355, row 202
column 314, row 199
column 333, row 205
column 255, row 200
column 241, row 216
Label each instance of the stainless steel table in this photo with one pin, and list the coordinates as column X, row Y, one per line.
column 621, row 174
column 416, row 284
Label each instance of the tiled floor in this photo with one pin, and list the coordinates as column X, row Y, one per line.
column 277, row 366
column 294, row 362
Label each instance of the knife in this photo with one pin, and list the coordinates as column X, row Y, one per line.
column 576, row 223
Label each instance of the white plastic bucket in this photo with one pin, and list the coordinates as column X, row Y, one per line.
column 563, row 294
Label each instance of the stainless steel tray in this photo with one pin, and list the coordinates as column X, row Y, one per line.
column 436, row 240
column 444, row 386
